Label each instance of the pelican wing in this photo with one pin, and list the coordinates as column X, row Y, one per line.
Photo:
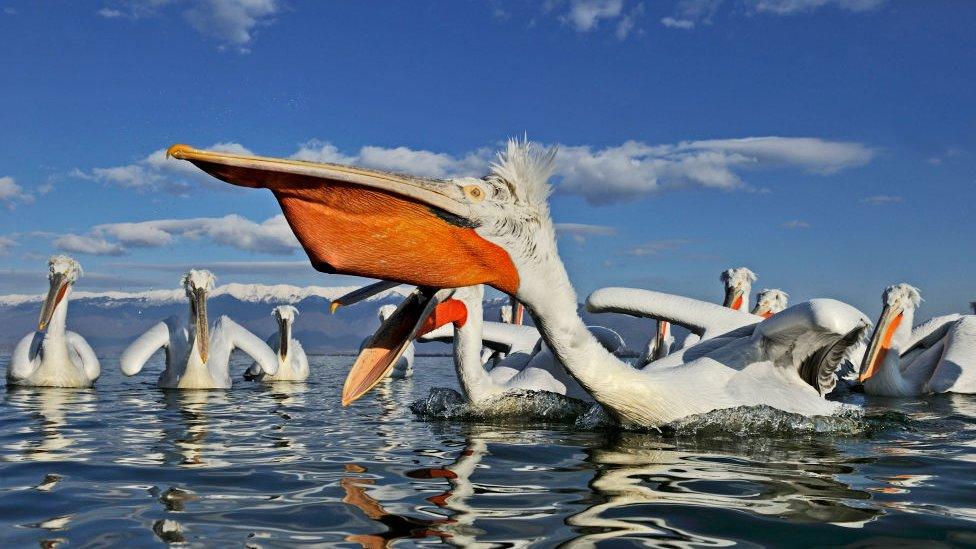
column 926, row 334
column 142, row 349
column 818, row 334
column 956, row 371
column 497, row 336
column 89, row 362
column 705, row 319
column 26, row 357
column 241, row 338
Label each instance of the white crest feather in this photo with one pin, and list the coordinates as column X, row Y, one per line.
column 738, row 277
column 527, row 168
column 286, row 312
column 904, row 293
column 199, row 278
column 62, row 264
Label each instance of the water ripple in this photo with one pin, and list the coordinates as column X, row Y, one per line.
column 285, row 465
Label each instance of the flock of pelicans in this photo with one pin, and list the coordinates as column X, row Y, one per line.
column 450, row 238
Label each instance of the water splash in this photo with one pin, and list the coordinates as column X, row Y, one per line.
column 542, row 406
column 759, row 421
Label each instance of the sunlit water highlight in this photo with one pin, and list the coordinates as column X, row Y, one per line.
column 127, row 464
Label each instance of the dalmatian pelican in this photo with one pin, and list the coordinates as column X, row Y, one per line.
column 738, row 287
column 197, row 357
column 439, row 234
column 292, row 362
column 939, row 356
column 53, row 356
column 770, row 302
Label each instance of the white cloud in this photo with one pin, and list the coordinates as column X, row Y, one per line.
column 585, row 15
column 796, row 224
column 790, row 7
column 280, row 268
column 11, row 193
column 689, row 13
column 400, row 159
column 231, row 22
column 156, row 173
column 589, row 15
column 272, row 236
column 629, row 21
column 673, row 23
column 79, row 244
column 939, row 159
column 656, row 247
column 631, row 170
column 579, row 232
column 6, row 244
column 881, row 200
column 636, row 169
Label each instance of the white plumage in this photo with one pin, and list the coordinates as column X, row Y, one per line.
column 292, row 361
column 197, row 356
column 53, row 356
column 938, row 356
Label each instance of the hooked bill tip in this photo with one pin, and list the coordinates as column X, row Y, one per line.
column 178, row 151
column 334, row 306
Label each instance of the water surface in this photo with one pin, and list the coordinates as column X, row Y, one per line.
column 127, row 464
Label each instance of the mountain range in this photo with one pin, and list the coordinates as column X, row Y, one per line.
column 111, row 320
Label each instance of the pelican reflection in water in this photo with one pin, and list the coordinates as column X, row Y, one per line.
column 50, row 435
column 645, row 484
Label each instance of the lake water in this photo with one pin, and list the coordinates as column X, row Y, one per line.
column 129, row 465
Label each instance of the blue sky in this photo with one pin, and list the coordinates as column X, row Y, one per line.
column 863, row 175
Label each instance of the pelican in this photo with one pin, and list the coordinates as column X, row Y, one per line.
column 53, row 356
column 439, row 234
column 938, row 356
column 196, row 356
column 292, row 362
column 770, row 302
column 738, row 286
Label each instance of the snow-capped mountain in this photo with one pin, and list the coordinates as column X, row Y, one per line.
column 111, row 320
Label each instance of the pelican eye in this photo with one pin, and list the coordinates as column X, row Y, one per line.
column 474, row 193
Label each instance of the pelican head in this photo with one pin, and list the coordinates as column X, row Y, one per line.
column 738, row 286
column 770, row 302
column 432, row 233
column 285, row 316
column 63, row 273
column 898, row 300
column 198, row 283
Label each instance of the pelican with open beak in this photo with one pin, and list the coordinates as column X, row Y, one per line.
column 197, row 357
column 54, row 356
column 442, row 234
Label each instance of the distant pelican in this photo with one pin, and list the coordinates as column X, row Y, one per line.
column 53, row 356
column 292, row 362
column 938, row 356
column 738, row 287
column 196, row 357
column 770, row 302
